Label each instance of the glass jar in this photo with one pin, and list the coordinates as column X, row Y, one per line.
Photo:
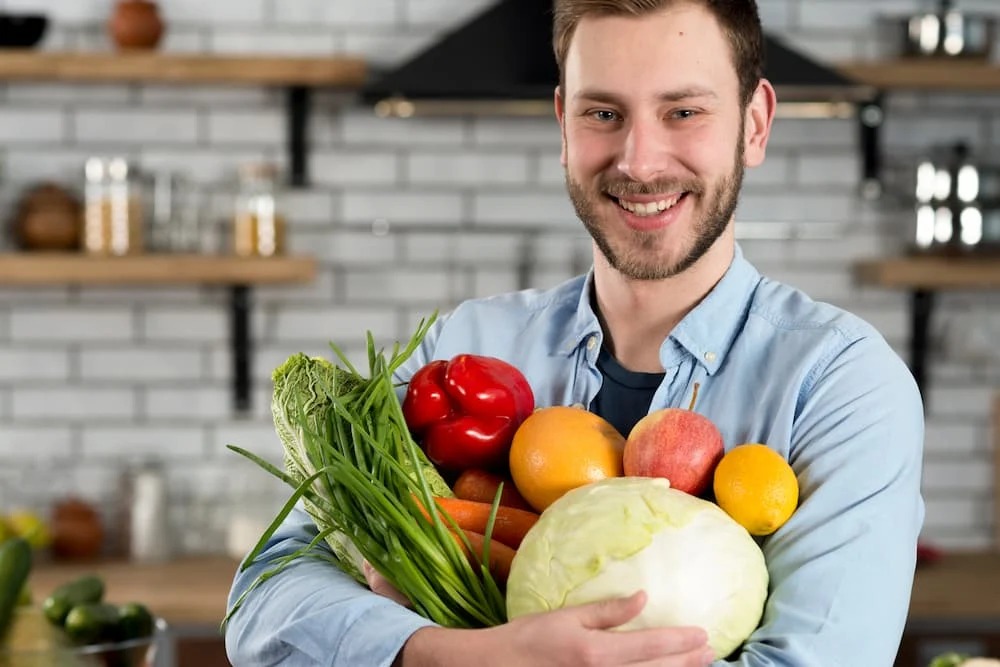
column 259, row 227
column 113, row 207
column 175, row 213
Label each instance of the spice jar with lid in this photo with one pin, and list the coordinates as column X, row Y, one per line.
column 259, row 227
column 114, row 208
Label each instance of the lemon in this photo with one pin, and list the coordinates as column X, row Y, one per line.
column 31, row 527
column 757, row 487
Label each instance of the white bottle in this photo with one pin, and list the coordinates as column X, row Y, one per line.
column 149, row 522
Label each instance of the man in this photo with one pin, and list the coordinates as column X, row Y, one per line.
column 662, row 106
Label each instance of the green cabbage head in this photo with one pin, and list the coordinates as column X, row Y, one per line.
column 614, row 537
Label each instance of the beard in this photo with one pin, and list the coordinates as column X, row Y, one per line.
column 632, row 258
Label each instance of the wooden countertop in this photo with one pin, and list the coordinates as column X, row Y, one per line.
column 193, row 591
column 959, row 587
column 189, row 591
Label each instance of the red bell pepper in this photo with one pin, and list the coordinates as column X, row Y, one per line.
column 464, row 411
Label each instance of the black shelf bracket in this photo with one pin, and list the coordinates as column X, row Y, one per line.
column 239, row 313
column 298, row 106
column 921, row 309
column 871, row 118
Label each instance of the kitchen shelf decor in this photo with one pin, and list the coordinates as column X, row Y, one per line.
column 297, row 75
column 923, row 276
column 238, row 274
column 925, row 74
column 930, row 74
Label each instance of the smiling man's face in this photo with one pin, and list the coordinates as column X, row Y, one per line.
column 653, row 137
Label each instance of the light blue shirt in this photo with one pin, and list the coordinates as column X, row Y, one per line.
column 817, row 384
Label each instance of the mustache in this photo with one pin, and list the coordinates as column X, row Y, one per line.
column 623, row 187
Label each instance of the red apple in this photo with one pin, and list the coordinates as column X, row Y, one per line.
column 677, row 444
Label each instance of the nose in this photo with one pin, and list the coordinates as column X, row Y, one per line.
column 643, row 156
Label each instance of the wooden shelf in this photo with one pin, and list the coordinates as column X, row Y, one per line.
column 62, row 269
column 925, row 74
column 923, row 277
column 297, row 75
column 238, row 274
column 157, row 67
column 931, row 273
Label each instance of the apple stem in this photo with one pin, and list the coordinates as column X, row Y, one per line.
column 694, row 397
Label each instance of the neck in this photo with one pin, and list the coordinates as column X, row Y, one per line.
column 638, row 315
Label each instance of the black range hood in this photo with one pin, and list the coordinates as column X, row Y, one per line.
column 501, row 63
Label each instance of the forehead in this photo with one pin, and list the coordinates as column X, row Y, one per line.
column 683, row 45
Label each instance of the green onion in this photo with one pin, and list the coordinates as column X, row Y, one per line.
column 350, row 457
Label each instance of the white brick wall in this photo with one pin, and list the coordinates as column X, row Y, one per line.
column 96, row 378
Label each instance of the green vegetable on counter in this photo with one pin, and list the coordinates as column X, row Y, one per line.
column 87, row 589
column 351, row 458
column 134, row 621
column 15, row 566
column 93, row 623
column 962, row 660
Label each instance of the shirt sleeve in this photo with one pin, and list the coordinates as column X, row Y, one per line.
column 842, row 567
column 311, row 613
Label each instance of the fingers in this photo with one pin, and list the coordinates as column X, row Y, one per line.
column 696, row 658
column 658, row 643
column 378, row 584
column 656, row 646
column 610, row 613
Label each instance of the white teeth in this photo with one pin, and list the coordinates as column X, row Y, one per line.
column 640, row 208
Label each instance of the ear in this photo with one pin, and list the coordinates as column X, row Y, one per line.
column 757, row 123
column 561, row 117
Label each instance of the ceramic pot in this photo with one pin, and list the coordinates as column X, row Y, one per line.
column 136, row 25
column 48, row 217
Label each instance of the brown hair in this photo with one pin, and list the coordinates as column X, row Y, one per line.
column 739, row 20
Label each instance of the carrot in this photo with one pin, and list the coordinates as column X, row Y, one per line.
column 501, row 555
column 510, row 527
column 481, row 486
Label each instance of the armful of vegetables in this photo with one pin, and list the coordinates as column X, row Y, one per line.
column 350, row 456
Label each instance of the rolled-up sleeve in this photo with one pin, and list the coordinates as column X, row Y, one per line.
column 311, row 614
column 842, row 567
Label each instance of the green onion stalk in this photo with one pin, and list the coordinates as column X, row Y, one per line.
column 349, row 457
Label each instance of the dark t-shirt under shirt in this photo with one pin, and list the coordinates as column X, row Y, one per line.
column 625, row 395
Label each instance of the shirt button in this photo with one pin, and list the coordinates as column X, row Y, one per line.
column 710, row 357
column 591, row 342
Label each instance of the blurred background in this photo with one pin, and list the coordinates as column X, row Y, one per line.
column 378, row 160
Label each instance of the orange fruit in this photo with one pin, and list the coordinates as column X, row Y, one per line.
column 560, row 448
column 757, row 487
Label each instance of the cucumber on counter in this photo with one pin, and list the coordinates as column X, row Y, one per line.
column 15, row 566
column 88, row 589
column 93, row 623
column 135, row 621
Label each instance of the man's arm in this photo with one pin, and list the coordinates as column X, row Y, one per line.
column 311, row 613
column 842, row 566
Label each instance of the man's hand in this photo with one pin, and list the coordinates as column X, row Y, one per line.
column 579, row 636
column 582, row 636
column 381, row 585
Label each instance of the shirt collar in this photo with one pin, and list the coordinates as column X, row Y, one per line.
column 706, row 333
column 584, row 323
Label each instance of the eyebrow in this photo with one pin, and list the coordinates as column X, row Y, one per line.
column 678, row 95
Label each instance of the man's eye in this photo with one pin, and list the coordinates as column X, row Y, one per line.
column 604, row 115
column 683, row 113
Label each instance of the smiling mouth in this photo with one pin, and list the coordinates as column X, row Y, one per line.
column 651, row 207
